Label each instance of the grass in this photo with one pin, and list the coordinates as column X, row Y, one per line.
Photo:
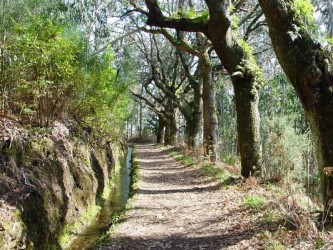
column 184, row 159
column 254, row 202
column 270, row 216
column 203, row 166
column 269, row 241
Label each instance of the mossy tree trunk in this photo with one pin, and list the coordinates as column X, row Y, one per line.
column 208, row 108
column 170, row 133
column 192, row 130
column 192, row 114
column 236, row 57
column 309, row 69
column 171, row 124
column 160, row 129
column 248, row 125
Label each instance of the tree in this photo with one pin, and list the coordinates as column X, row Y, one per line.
column 164, row 108
column 174, row 78
column 208, row 100
column 309, row 69
column 237, row 59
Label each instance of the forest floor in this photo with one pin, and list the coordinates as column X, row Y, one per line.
column 178, row 207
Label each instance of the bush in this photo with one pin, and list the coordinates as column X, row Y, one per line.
column 49, row 74
column 283, row 150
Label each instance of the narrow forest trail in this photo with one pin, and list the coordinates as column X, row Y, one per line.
column 176, row 207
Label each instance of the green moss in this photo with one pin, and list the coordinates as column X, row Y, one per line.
column 193, row 15
column 201, row 18
column 246, row 48
column 249, row 66
column 70, row 230
column 41, row 145
column 135, row 175
column 234, row 21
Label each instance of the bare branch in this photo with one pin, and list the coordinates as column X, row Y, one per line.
column 177, row 43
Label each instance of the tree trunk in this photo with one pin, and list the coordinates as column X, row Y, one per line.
column 191, row 111
column 209, row 110
column 309, row 71
column 170, row 124
column 192, row 130
column 248, row 121
column 160, row 130
column 170, row 133
column 237, row 59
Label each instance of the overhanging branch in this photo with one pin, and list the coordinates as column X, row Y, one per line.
column 156, row 18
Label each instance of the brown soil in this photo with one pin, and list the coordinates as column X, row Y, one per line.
column 176, row 207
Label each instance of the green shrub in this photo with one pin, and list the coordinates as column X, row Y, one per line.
column 283, row 150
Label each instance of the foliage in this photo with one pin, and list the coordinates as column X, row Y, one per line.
column 278, row 98
column 47, row 73
column 226, row 114
column 304, row 9
column 283, row 150
column 294, row 34
column 102, row 102
column 46, row 64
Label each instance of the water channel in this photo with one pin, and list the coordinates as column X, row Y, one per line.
column 116, row 202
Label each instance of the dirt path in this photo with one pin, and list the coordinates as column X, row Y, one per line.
column 178, row 208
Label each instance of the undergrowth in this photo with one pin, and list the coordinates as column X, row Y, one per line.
column 283, row 210
column 202, row 165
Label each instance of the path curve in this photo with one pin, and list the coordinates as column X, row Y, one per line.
column 176, row 207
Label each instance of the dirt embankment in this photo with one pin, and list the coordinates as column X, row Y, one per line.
column 49, row 181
